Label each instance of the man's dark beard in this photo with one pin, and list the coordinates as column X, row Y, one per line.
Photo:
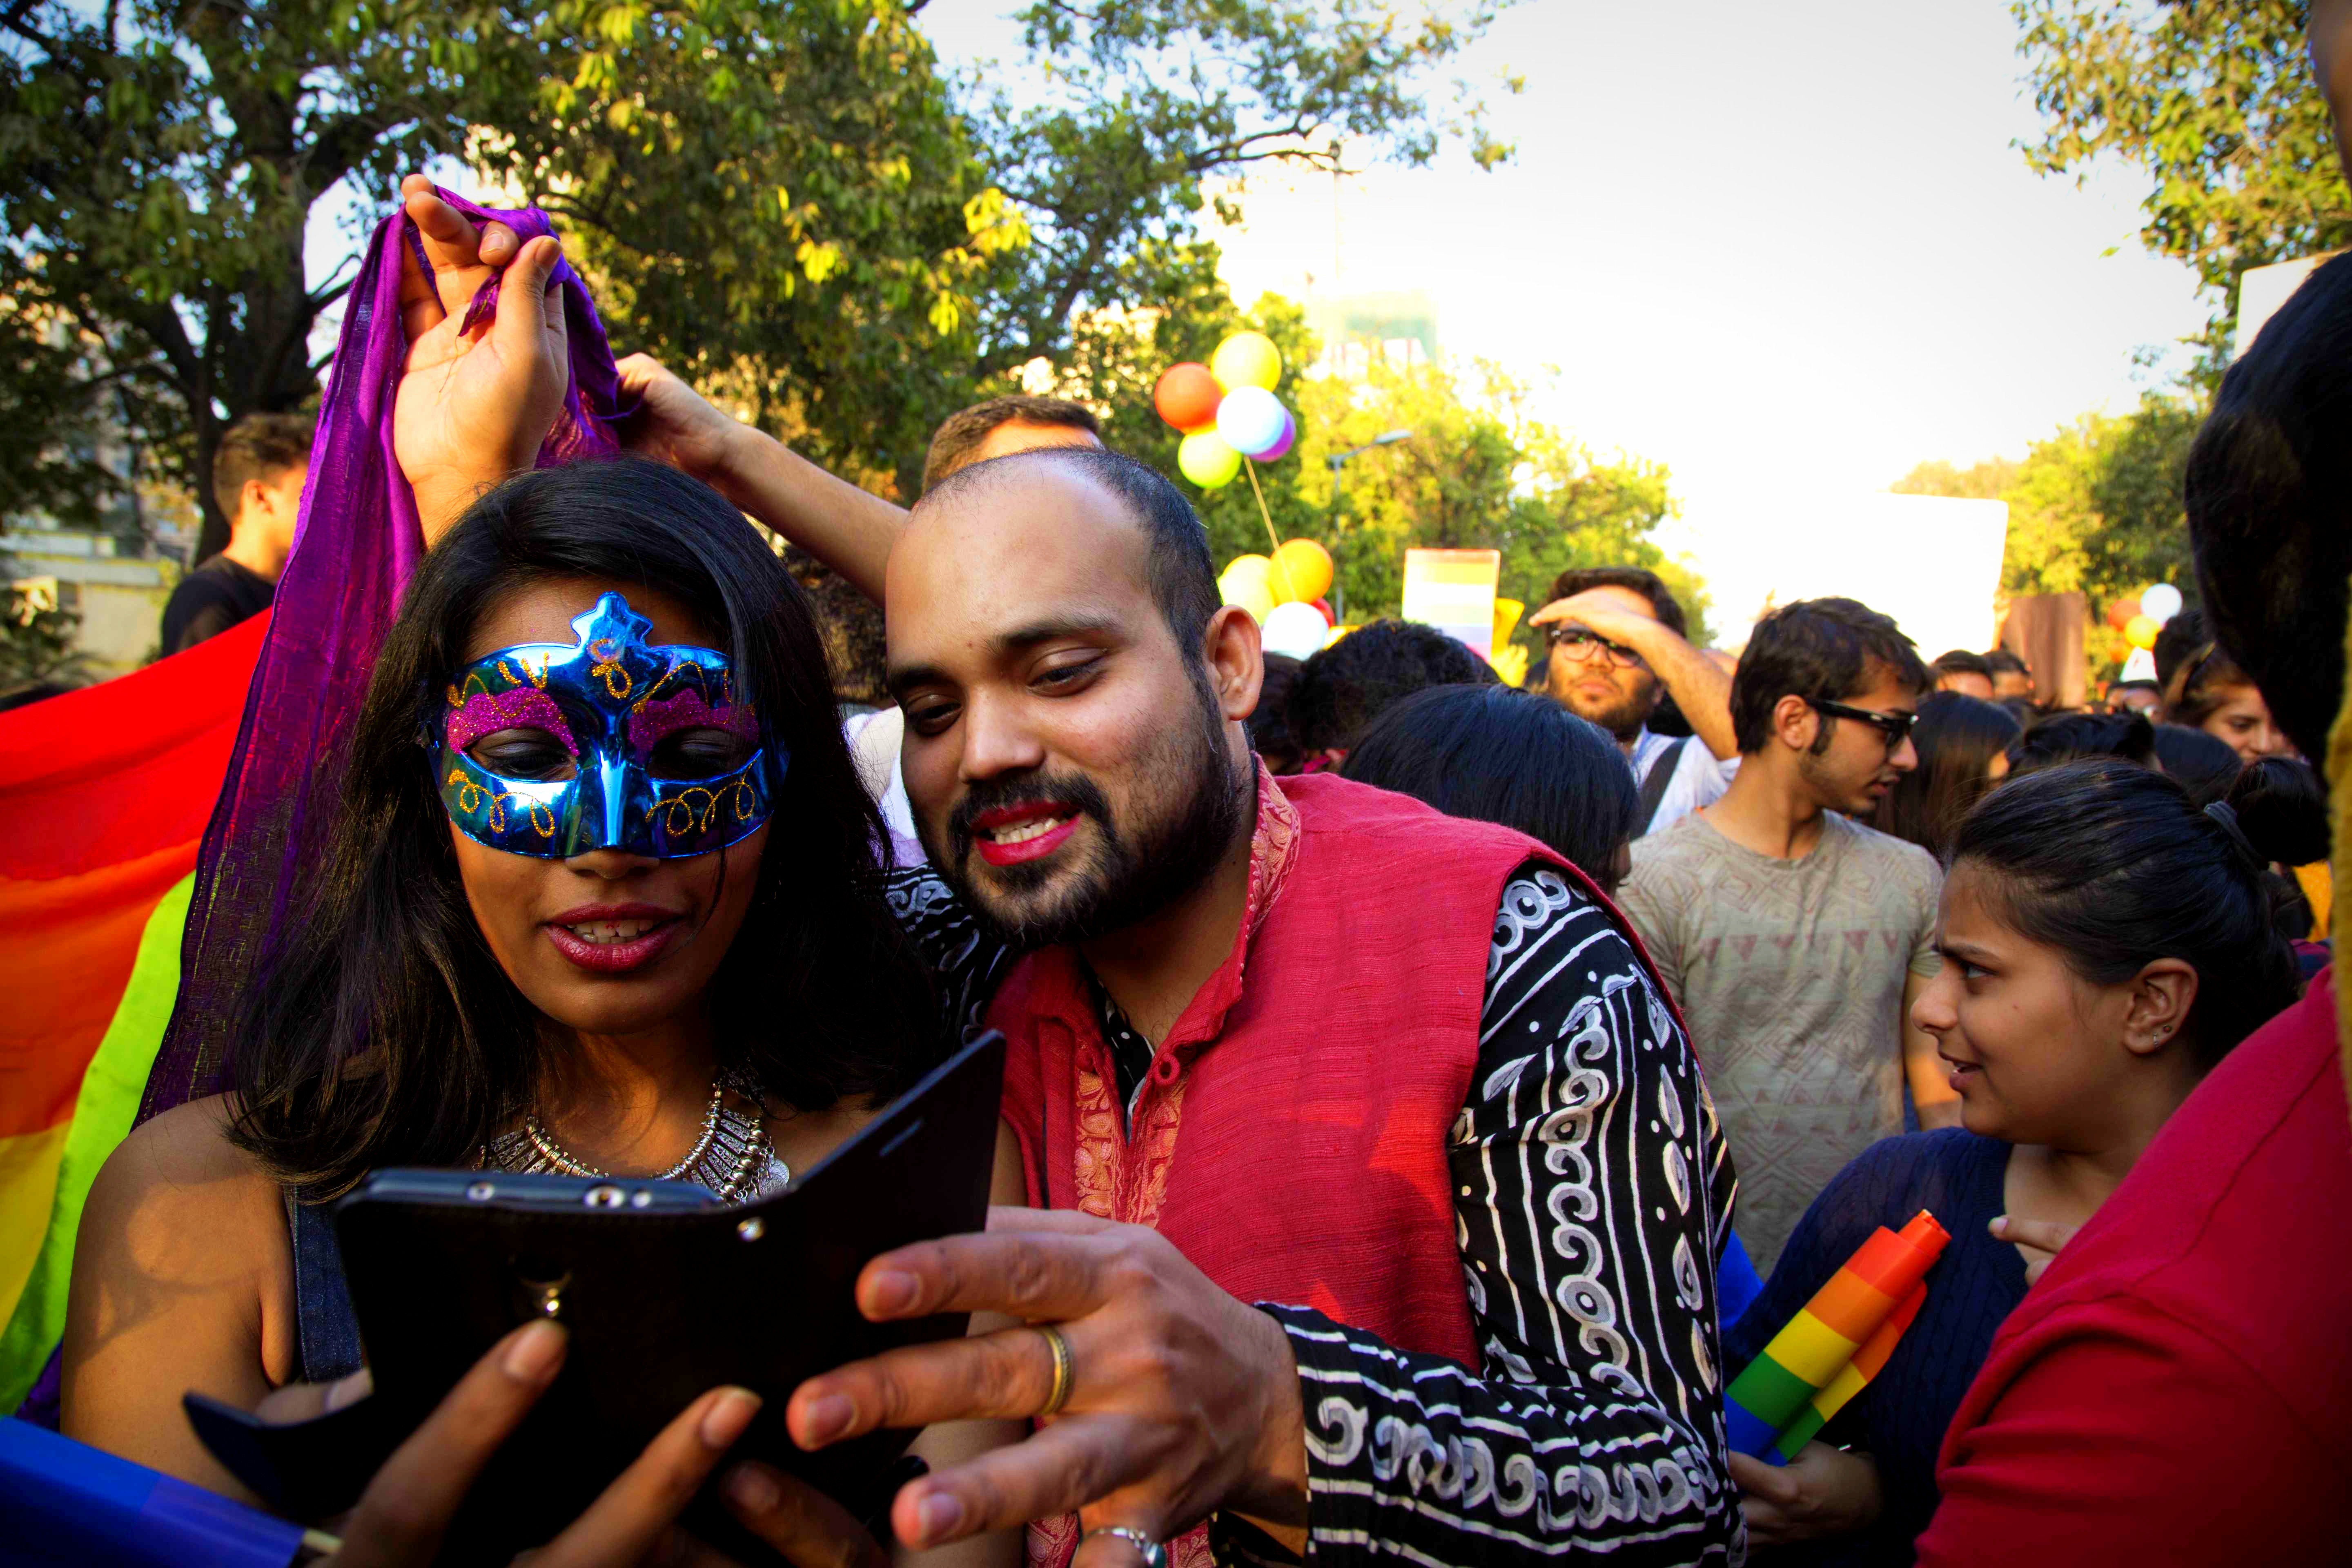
column 1625, row 716
column 1126, row 877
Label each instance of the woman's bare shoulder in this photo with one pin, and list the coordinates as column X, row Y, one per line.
column 183, row 1279
column 180, row 1168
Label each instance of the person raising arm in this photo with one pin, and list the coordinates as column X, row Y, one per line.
column 1617, row 652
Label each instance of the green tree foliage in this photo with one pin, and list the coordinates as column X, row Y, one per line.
column 37, row 642
column 1142, row 99
column 785, row 197
column 57, row 388
column 782, row 202
column 1479, row 472
column 2216, row 104
column 158, row 162
column 2093, row 509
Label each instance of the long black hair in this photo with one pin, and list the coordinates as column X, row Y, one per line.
column 1496, row 754
column 2068, row 737
column 1958, row 737
column 2109, row 863
column 2206, row 764
column 387, row 1033
column 2281, row 804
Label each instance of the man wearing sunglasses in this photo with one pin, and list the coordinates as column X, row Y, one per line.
column 1619, row 648
column 1794, row 937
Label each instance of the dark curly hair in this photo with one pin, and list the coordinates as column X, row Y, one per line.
column 1345, row 686
column 1820, row 649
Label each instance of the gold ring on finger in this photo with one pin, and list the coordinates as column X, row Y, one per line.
column 1064, row 1373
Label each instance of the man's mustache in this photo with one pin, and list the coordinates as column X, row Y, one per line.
column 1075, row 792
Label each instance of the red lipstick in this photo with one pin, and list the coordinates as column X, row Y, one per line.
column 614, row 939
column 1029, row 815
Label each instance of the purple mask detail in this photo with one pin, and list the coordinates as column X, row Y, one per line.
column 485, row 714
column 687, row 711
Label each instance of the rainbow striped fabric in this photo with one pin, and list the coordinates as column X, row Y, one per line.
column 1835, row 1345
column 104, row 794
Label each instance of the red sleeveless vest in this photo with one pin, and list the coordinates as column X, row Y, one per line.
column 1313, row 1079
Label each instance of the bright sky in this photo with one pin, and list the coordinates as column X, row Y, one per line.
column 1788, row 251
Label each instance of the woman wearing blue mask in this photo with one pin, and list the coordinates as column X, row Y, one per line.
column 604, row 896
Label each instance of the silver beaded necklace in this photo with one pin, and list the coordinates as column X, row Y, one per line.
column 734, row 1157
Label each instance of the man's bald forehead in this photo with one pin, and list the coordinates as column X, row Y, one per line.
column 1116, row 488
column 975, row 485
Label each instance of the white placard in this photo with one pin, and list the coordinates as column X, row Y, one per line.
column 1933, row 562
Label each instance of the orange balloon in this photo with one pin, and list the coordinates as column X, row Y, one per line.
column 2121, row 610
column 1186, row 397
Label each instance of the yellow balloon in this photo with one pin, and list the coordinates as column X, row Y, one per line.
column 1246, row 358
column 2140, row 631
column 1205, row 459
column 1249, row 569
column 1247, row 589
column 1302, row 573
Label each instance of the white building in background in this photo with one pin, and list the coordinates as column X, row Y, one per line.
column 117, row 577
column 1294, row 240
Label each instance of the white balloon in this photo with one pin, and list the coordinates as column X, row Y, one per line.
column 1250, row 420
column 1296, row 629
column 2160, row 602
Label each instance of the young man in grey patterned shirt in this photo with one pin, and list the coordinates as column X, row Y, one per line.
column 1794, row 938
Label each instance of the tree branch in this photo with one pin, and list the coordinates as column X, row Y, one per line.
column 13, row 20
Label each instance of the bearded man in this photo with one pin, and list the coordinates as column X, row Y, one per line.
column 1619, row 648
column 1310, row 1033
column 1407, row 1084
column 1383, row 1118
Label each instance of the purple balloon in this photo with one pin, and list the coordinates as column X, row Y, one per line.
column 1282, row 447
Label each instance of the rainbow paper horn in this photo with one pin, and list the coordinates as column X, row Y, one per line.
column 1828, row 1338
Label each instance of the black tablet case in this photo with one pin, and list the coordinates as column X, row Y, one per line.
column 662, row 1306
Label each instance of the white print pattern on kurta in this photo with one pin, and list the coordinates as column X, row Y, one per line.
column 1592, row 1194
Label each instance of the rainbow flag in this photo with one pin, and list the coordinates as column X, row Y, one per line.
column 1836, row 1344
column 104, row 795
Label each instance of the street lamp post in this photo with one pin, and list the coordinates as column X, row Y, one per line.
column 1338, row 462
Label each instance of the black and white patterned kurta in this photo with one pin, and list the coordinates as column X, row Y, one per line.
column 1592, row 1194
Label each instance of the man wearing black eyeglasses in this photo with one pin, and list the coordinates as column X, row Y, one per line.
column 1618, row 649
column 1794, row 937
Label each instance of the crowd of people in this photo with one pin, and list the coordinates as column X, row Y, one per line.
column 1423, row 1095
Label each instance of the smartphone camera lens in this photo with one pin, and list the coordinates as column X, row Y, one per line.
column 606, row 1197
column 481, row 1192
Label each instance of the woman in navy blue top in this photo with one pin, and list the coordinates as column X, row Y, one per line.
column 2105, row 943
column 1899, row 1419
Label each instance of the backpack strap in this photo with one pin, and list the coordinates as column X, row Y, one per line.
column 1661, row 774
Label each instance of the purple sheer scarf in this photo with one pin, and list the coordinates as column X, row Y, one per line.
column 355, row 546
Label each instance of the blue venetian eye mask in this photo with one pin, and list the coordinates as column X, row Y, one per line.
column 611, row 742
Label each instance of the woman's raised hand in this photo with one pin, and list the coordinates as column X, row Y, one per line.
column 401, row 1517
column 473, row 408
